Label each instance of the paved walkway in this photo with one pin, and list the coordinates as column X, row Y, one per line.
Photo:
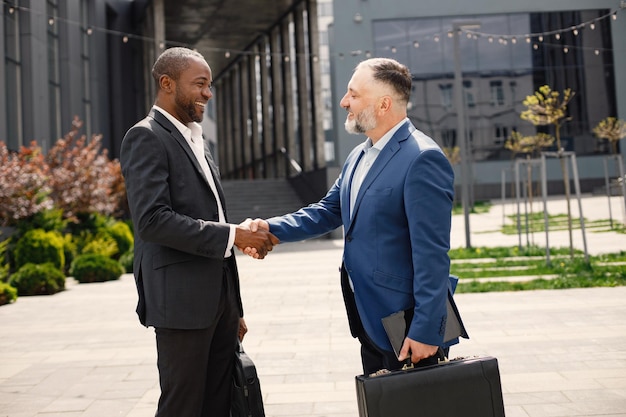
column 83, row 353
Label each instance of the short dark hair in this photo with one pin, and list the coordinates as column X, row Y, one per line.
column 173, row 62
column 392, row 73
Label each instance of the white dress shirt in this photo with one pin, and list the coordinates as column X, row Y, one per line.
column 370, row 153
column 193, row 135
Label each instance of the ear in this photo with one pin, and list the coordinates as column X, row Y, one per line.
column 166, row 83
column 385, row 104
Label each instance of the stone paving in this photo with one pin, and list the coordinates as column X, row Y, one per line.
column 83, row 353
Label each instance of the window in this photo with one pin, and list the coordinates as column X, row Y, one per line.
column 12, row 81
column 86, row 64
column 469, row 93
column 497, row 93
column 446, row 95
column 54, row 76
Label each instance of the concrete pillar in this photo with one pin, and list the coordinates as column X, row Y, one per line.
column 237, row 124
column 317, row 110
column 288, row 93
column 277, row 101
column 158, row 10
column 303, row 93
column 267, row 137
column 254, row 113
column 246, row 145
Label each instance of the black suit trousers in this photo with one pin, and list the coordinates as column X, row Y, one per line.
column 195, row 366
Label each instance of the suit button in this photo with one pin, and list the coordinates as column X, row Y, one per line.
column 349, row 238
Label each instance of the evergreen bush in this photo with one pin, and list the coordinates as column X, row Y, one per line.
column 38, row 279
column 95, row 268
column 122, row 234
column 8, row 294
column 38, row 246
column 127, row 259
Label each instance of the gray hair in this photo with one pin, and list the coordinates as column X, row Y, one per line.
column 392, row 73
column 173, row 62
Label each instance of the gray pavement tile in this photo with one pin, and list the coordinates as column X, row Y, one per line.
column 82, row 352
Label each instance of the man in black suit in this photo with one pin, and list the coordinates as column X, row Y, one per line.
column 184, row 264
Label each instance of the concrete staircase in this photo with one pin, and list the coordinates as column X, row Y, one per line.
column 259, row 198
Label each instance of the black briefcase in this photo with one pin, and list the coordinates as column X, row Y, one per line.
column 466, row 387
column 247, row 400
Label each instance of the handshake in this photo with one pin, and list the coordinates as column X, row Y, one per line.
column 253, row 238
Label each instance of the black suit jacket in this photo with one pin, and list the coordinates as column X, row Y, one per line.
column 179, row 244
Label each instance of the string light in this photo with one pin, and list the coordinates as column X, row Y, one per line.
column 470, row 34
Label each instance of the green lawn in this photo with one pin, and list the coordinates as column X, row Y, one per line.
column 500, row 268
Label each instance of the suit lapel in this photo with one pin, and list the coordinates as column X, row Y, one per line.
column 383, row 159
column 346, row 188
column 180, row 139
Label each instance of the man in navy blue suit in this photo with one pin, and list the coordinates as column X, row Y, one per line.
column 394, row 200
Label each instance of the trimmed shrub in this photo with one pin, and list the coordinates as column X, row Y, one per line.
column 95, row 268
column 127, row 259
column 39, row 247
column 38, row 279
column 122, row 234
column 100, row 245
column 8, row 294
column 70, row 249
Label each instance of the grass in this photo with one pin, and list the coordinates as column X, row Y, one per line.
column 479, row 207
column 535, row 222
column 564, row 271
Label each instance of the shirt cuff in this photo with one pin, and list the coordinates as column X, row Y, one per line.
column 231, row 240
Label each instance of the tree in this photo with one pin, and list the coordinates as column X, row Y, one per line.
column 24, row 188
column 453, row 154
column 82, row 177
column 611, row 129
column 544, row 108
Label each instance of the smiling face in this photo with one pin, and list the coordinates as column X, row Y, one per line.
column 185, row 94
column 358, row 102
column 192, row 91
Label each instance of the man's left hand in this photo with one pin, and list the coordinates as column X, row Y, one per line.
column 417, row 350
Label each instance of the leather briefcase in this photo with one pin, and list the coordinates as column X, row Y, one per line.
column 464, row 387
column 247, row 400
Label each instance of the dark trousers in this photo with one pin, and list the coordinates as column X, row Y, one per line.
column 195, row 366
column 373, row 358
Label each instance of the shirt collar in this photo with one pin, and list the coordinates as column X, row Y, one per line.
column 385, row 138
column 189, row 131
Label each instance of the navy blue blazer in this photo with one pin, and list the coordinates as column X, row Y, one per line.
column 396, row 243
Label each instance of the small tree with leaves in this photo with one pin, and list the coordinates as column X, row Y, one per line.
column 611, row 129
column 548, row 108
column 531, row 146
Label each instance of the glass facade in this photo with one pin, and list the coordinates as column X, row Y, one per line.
column 499, row 71
column 54, row 76
column 12, row 82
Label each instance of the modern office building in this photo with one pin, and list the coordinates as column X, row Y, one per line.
column 506, row 51
column 281, row 67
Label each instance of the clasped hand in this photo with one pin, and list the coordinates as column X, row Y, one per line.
column 253, row 238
